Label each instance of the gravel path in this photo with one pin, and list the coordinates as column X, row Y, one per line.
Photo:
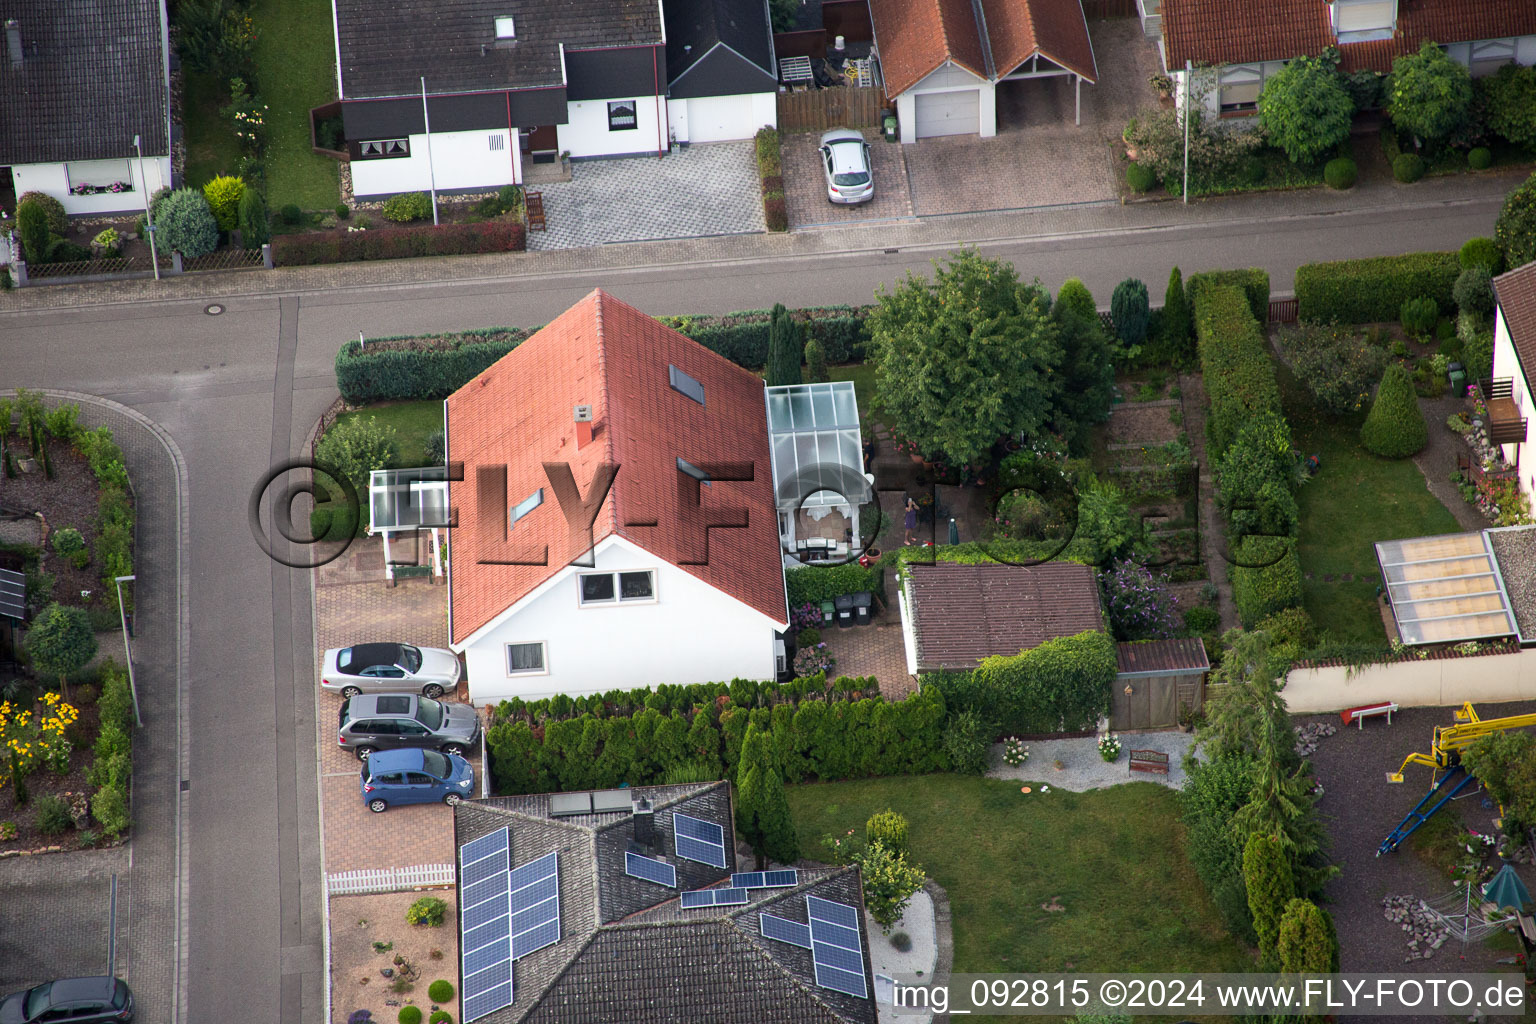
column 1516, row 551
column 1438, row 460
column 1212, row 531
column 1082, row 767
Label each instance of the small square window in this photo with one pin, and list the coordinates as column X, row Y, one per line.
column 636, row 586
column 377, row 149
column 504, row 28
column 684, row 384
column 596, row 588
column 525, row 658
column 621, row 116
column 524, row 507
column 701, row 475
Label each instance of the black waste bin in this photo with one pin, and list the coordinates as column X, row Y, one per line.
column 862, row 602
column 844, row 605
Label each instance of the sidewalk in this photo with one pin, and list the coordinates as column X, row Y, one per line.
column 939, row 233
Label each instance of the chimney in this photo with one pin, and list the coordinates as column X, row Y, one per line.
column 645, row 831
column 583, row 414
column 13, row 39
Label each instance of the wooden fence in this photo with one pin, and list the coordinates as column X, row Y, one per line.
column 342, row 883
column 839, row 107
column 1282, row 311
column 1109, row 9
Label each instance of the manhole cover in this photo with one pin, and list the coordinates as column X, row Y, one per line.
column 214, row 310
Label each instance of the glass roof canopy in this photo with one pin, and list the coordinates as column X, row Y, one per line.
column 408, row 499
column 1445, row 589
column 818, row 455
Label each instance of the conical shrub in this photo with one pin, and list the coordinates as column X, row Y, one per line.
column 1395, row 427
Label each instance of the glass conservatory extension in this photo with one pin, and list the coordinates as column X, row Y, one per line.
column 407, row 501
column 1445, row 589
column 818, row 469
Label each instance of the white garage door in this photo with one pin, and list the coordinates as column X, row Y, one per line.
column 720, row 119
column 948, row 113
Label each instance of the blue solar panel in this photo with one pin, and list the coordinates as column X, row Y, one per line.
column 836, row 948
column 535, row 904
column 842, row 959
column 483, row 847
column 535, row 915
column 541, row 890
column 487, row 888
column 485, row 867
column 730, row 897
column 692, row 849
column 657, row 871
column 486, row 956
column 780, row 879
column 698, row 898
column 748, row 880
column 835, row 934
column 487, row 1000
column 533, row 871
column 838, row 913
column 474, row 938
column 546, row 934
column 841, row 981
column 785, row 930
column 697, row 828
column 483, row 913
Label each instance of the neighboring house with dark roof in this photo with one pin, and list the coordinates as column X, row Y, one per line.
column 674, row 575
column 79, row 85
column 1244, row 44
column 1511, row 394
column 943, row 59
column 514, row 81
column 721, row 73
column 626, row 949
column 953, row 616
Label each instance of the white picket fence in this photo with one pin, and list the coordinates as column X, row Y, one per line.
column 345, row 883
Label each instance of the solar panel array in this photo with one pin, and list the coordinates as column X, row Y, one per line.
column 698, row 840
column 765, row 879
column 13, row 595
column 484, row 935
column 714, row 898
column 658, row 871
column 535, row 905
column 836, row 950
column 784, row 930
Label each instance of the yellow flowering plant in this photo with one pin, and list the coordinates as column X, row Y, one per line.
column 31, row 737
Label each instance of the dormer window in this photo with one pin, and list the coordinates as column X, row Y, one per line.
column 504, row 29
column 1359, row 21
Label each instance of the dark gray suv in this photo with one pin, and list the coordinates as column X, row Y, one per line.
column 380, row 721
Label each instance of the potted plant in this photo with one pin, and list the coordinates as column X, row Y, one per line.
column 1015, row 751
column 1186, row 716
column 1109, row 746
column 1162, row 85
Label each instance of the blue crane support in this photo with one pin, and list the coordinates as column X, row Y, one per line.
column 1442, row 793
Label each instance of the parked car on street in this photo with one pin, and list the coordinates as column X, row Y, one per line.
column 371, row 722
column 394, row 777
column 845, row 160
column 390, row 668
column 70, row 1001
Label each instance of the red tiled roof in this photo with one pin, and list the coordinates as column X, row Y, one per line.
column 1516, row 292
column 1172, row 657
column 1243, row 32
column 1056, row 29
column 607, row 354
column 917, row 36
column 964, row 613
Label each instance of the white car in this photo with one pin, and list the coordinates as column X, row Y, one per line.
column 390, row 668
column 845, row 160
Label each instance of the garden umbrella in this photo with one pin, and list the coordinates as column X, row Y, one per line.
column 1506, row 890
column 954, row 531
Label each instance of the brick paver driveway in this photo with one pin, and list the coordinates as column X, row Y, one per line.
column 703, row 190
column 1039, row 156
column 805, row 183
column 53, row 919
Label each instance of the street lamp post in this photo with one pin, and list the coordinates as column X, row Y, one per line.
column 127, row 652
column 148, row 221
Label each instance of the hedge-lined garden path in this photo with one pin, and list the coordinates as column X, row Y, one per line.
column 1438, row 460
column 1192, row 392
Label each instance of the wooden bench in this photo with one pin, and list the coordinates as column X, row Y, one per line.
column 1149, row 761
column 1364, row 711
column 534, row 203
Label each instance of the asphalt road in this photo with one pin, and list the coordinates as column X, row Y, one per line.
column 240, row 390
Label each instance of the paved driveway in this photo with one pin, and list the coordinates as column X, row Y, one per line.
column 805, row 183
column 702, row 190
column 53, row 919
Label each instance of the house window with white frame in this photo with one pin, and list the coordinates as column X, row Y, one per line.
column 504, row 27
column 1359, row 21
column 526, row 659
column 1240, row 87
column 383, row 149
column 634, row 586
column 622, row 116
column 1488, row 55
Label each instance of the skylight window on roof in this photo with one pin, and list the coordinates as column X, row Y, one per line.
column 504, row 28
column 685, row 384
column 525, row 506
column 702, row 476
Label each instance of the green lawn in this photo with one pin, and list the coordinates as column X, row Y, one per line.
column 1355, row 500
column 296, row 70
column 1114, row 858
column 211, row 147
column 413, row 423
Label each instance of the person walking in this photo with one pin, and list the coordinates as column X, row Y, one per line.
column 911, row 521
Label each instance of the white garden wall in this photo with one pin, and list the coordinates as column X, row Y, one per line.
column 1440, row 682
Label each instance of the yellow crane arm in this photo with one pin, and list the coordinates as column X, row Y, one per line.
column 1450, row 740
column 1426, row 760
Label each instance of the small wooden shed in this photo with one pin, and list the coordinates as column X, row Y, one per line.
column 1155, row 677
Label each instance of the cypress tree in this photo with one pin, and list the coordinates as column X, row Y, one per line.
column 750, row 770
column 816, row 362
column 784, row 348
column 1305, row 943
column 1394, row 428
column 1176, row 326
column 780, row 844
column 1270, row 887
column 704, row 742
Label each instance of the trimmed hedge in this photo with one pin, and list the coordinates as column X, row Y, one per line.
column 1234, row 360
column 813, row 584
column 398, row 243
column 1374, row 290
column 1253, row 282
column 1340, row 173
column 812, row 739
column 1395, row 428
column 1139, row 178
column 1261, row 592
column 434, row 366
column 1063, row 685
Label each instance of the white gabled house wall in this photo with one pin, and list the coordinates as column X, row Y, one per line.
column 56, row 180
column 690, row 633
column 460, row 161
column 586, row 131
column 1506, row 364
column 948, row 79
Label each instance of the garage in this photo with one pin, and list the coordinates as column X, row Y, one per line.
column 948, row 113
column 727, row 118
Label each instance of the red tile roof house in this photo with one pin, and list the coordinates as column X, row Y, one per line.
column 678, row 579
column 1511, row 394
column 942, row 59
column 1245, row 43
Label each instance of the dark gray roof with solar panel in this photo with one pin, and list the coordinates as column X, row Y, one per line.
column 584, row 921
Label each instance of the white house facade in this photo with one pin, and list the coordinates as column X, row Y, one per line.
column 91, row 187
column 1514, row 370
column 630, row 619
column 457, row 161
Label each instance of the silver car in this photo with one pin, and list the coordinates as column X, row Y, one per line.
column 391, row 720
column 390, row 668
column 845, row 160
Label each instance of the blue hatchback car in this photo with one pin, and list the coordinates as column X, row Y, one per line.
column 415, row 776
